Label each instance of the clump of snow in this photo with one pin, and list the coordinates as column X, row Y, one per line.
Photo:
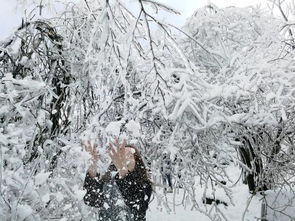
column 27, row 82
column 15, row 46
column 41, row 177
column 24, row 60
column 59, row 196
column 23, row 211
column 78, row 192
column 113, row 128
column 133, row 128
column 46, row 198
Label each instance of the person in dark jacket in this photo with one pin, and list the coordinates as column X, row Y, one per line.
column 124, row 191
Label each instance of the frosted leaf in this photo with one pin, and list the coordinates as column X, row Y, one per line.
column 284, row 115
column 41, row 117
column 29, row 83
column 67, row 206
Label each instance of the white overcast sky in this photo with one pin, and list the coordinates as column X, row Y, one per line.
column 10, row 17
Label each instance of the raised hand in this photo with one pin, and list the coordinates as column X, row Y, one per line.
column 91, row 148
column 122, row 157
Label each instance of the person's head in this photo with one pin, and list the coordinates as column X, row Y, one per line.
column 138, row 159
column 135, row 152
column 138, row 163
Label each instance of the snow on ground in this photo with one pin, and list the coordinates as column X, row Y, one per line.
column 244, row 204
column 282, row 202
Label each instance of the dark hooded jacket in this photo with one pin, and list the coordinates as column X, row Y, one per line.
column 119, row 199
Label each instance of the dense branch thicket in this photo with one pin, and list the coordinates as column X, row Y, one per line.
column 218, row 92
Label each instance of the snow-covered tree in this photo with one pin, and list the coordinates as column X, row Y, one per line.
column 222, row 85
column 247, row 60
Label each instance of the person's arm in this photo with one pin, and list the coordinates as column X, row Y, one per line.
column 94, row 190
column 136, row 190
column 93, row 184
